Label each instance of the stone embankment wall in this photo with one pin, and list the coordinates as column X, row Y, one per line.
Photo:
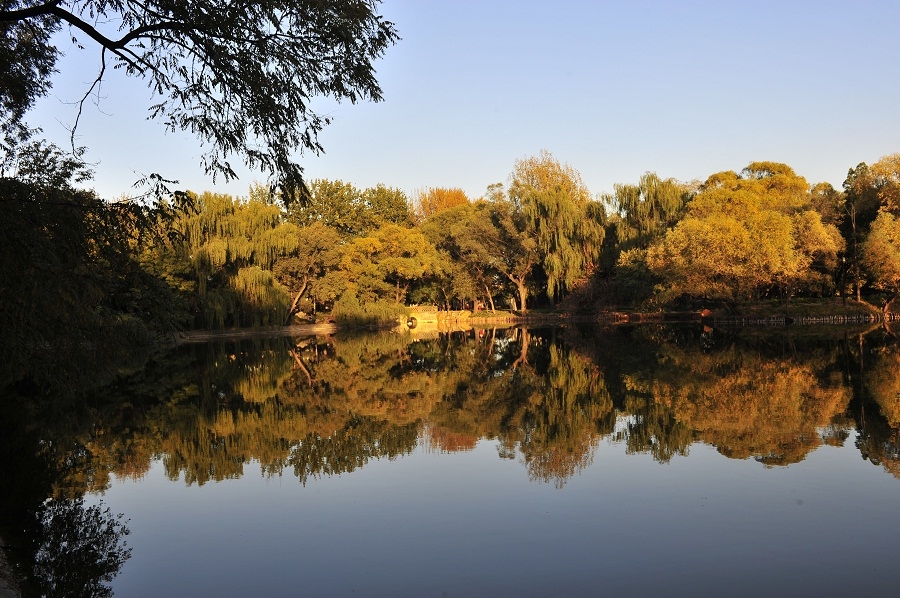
column 728, row 321
column 797, row 320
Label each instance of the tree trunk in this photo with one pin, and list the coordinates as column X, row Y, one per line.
column 887, row 316
column 523, row 295
column 523, row 349
column 886, row 310
column 856, row 272
column 838, row 277
column 295, row 303
column 490, row 297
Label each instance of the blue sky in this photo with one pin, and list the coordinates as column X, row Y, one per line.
column 615, row 89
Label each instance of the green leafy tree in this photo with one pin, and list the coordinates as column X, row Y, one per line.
column 458, row 234
column 384, row 205
column 332, row 203
column 231, row 246
column 506, row 245
column 240, row 75
column 317, row 252
column 860, row 209
column 642, row 213
column 385, row 264
column 868, row 191
column 350, row 211
column 557, row 211
column 638, row 215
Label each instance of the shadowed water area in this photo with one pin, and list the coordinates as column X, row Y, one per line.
column 558, row 461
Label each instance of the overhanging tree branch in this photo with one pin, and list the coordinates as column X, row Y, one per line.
column 238, row 75
column 10, row 16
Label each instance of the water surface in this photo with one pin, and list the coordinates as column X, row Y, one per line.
column 546, row 462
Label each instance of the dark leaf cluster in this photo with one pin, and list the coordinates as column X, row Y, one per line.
column 239, row 75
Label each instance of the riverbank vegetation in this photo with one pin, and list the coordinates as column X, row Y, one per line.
column 95, row 273
column 541, row 240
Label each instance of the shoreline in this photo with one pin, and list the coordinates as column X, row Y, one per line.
column 202, row 336
column 802, row 314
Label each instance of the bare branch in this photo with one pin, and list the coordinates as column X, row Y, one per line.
column 84, row 98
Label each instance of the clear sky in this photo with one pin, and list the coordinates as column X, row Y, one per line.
column 615, row 89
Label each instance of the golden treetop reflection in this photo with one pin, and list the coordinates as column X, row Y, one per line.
column 548, row 397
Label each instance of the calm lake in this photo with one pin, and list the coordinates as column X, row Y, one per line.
column 573, row 461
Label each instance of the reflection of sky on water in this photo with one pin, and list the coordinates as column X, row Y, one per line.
column 471, row 524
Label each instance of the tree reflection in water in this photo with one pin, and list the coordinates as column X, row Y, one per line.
column 879, row 410
column 80, row 550
column 326, row 406
column 319, row 407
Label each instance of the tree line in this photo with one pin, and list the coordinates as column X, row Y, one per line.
column 131, row 268
column 541, row 240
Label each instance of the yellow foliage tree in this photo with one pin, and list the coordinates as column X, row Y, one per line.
column 745, row 236
column 886, row 179
column 437, row 199
column 385, row 263
column 881, row 255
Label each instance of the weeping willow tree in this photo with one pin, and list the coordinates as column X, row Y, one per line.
column 639, row 215
column 643, row 212
column 231, row 246
column 560, row 216
column 565, row 419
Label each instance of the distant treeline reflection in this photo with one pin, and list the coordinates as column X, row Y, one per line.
column 319, row 407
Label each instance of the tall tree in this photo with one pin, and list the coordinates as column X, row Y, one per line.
column 642, row 213
column 886, row 179
column 638, row 215
column 860, row 209
column 558, row 213
column 238, row 75
column 347, row 209
column 231, row 246
column 316, row 253
column 828, row 202
column 332, row 203
column 384, row 264
column 881, row 255
column 490, row 239
column 508, row 245
column 381, row 205
column 461, row 233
